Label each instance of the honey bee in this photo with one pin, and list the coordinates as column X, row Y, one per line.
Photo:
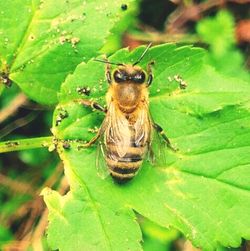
column 127, row 129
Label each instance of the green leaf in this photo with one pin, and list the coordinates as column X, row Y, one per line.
column 43, row 41
column 203, row 189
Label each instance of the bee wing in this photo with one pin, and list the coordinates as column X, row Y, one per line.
column 100, row 162
column 157, row 149
column 102, row 169
column 117, row 132
column 142, row 127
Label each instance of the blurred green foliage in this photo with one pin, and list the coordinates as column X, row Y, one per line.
column 219, row 33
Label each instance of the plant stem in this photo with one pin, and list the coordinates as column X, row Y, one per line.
column 24, row 144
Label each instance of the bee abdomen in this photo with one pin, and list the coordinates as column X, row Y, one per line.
column 123, row 169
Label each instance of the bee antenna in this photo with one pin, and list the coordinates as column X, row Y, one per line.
column 142, row 55
column 107, row 62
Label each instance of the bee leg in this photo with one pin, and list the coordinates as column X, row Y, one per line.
column 149, row 71
column 164, row 136
column 92, row 104
column 91, row 142
column 95, row 138
column 101, row 129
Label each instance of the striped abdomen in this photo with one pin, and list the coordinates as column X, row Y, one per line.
column 124, row 168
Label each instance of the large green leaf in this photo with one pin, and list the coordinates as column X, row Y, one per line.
column 203, row 189
column 42, row 42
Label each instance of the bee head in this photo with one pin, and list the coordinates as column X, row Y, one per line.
column 129, row 74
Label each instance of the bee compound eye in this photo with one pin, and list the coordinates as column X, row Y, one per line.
column 139, row 77
column 119, row 77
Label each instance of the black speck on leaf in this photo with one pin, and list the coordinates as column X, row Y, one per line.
column 124, row 6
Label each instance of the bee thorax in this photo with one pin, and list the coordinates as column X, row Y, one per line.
column 128, row 97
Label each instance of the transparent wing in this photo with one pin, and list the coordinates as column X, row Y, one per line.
column 100, row 163
column 102, row 169
column 159, row 146
column 157, row 149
